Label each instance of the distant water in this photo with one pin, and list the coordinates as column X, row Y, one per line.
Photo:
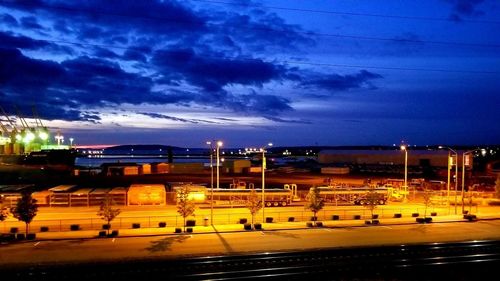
column 98, row 161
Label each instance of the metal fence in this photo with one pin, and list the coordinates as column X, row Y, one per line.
column 282, row 216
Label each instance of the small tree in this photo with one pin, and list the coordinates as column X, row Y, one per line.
column 427, row 200
column 107, row 212
column 25, row 209
column 185, row 206
column 314, row 202
column 497, row 186
column 4, row 211
column 372, row 199
column 253, row 204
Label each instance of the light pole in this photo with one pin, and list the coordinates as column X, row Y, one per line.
column 263, row 178
column 211, row 183
column 463, row 173
column 59, row 139
column 71, row 142
column 219, row 144
column 405, row 149
column 456, row 175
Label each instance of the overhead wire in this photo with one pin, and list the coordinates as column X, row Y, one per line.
column 310, row 33
column 329, row 12
column 298, row 62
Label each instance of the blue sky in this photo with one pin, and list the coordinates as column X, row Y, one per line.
column 249, row 72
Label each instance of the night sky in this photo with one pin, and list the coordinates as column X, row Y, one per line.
column 250, row 72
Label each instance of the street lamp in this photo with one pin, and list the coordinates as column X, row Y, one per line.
column 263, row 178
column 405, row 149
column 71, row 142
column 463, row 173
column 219, row 144
column 211, row 183
column 59, row 139
column 456, row 175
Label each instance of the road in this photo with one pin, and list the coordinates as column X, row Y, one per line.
column 174, row 246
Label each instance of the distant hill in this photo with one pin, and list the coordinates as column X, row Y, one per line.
column 142, row 147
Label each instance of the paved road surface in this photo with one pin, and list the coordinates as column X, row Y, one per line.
column 172, row 246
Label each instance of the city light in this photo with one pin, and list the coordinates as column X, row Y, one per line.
column 405, row 149
column 263, row 149
column 456, row 175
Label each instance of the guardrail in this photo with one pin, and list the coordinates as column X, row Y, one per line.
column 282, row 216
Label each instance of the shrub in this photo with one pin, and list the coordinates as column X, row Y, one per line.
column 20, row 236
column 114, row 233
column 309, row 224
column 375, row 221
column 319, row 224
column 291, row 219
column 374, row 216
column 428, row 220
column 433, row 214
column 14, row 230
column 335, row 217
column 470, row 217
column 31, row 236
column 269, row 220
column 420, row 220
column 189, row 229
column 44, row 228
column 415, row 215
column 8, row 237
column 191, row 223
column 102, row 233
column 397, row 215
column 243, row 221
column 74, row 227
column 247, row 226
column 136, row 225
column 368, row 222
column 162, row 224
column 178, row 230
column 357, row 217
column 258, row 226
column 494, row 202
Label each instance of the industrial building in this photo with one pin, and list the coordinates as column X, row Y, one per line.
column 432, row 158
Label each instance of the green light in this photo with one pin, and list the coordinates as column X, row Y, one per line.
column 43, row 136
column 29, row 137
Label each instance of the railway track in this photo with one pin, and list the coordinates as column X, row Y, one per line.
column 440, row 261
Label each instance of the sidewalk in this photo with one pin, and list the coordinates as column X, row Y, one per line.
column 228, row 228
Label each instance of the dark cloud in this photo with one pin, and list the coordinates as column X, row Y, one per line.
column 73, row 84
column 282, row 120
column 337, row 82
column 148, row 32
column 259, row 31
column 20, row 73
column 30, row 23
column 95, row 18
column 134, row 55
column 211, row 71
column 465, row 8
column 8, row 20
column 105, row 53
column 162, row 116
column 11, row 41
column 183, row 120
